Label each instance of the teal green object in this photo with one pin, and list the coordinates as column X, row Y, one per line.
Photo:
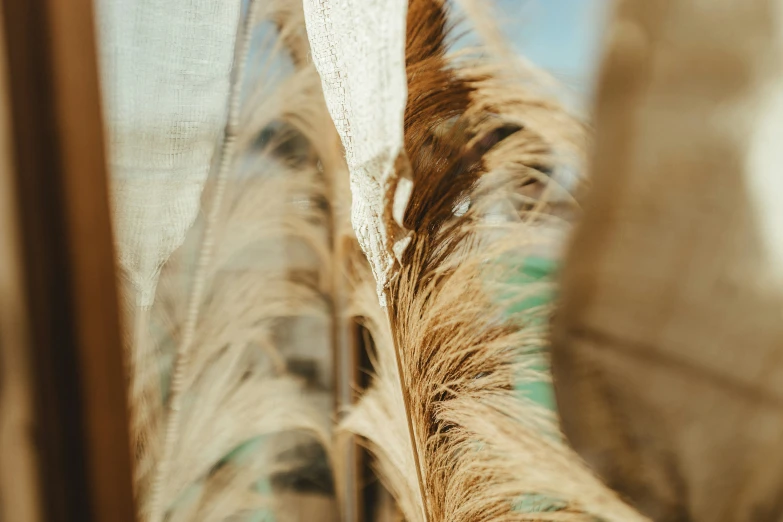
column 533, row 503
column 533, row 270
column 263, row 486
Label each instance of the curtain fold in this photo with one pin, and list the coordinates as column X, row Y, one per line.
column 358, row 47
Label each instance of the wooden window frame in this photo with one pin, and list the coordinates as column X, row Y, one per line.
column 79, row 419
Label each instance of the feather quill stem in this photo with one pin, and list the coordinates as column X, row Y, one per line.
column 408, row 411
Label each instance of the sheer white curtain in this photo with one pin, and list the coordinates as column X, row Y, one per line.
column 166, row 68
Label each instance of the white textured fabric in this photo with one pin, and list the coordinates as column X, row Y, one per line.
column 358, row 47
column 166, row 68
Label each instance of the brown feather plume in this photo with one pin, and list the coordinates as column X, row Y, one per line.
column 473, row 139
column 440, row 167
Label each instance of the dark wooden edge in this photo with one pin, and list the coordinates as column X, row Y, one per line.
column 75, row 336
column 19, row 481
column 347, row 467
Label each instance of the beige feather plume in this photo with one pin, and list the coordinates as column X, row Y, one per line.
column 215, row 409
column 483, row 152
